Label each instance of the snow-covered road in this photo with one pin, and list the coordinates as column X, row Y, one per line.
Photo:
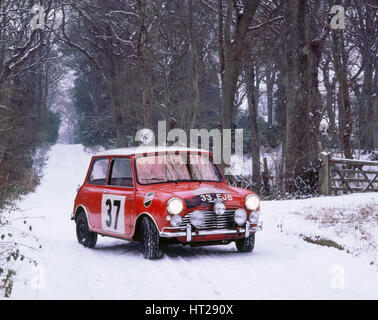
column 282, row 265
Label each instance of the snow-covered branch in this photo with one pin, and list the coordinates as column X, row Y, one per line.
column 261, row 25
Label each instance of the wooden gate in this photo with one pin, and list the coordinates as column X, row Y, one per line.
column 347, row 176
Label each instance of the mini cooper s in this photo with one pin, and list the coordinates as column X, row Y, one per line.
column 163, row 195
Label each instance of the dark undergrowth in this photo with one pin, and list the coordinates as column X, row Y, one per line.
column 15, row 231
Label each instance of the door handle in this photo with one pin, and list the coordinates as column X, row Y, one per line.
column 105, row 191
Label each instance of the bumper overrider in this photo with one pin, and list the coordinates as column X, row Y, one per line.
column 190, row 233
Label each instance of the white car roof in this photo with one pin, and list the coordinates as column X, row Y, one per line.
column 143, row 149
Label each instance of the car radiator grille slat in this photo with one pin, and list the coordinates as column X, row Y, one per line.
column 212, row 221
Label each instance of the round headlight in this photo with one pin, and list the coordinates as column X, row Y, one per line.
column 176, row 221
column 252, row 202
column 175, row 206
column 197, row 219
column 219, row 208
column 254, row 217
column 240, row 217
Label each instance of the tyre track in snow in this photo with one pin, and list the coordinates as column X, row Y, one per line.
column 281, row 267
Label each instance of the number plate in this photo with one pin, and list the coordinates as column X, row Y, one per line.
column 215, row 197
column 113, row 213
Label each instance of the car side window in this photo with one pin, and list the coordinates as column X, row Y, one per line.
column 99, row 172
column 121, row 173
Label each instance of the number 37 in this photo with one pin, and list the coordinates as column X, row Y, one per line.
column 117, row 204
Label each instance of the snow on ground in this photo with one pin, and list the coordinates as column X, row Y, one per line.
column 283, row 265
column 353, row 228
column 243, row 165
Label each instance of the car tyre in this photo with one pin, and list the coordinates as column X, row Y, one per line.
column 84, row 236
column 150, row 240
column 246, row 244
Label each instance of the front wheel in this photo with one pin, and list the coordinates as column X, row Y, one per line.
column 150, row 239
column 84, row 236
column 246, row 244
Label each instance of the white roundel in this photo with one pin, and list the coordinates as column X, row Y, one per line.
column 145, row 136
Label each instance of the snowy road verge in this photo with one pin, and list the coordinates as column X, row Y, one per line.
column 347, row 223
column 283, row 265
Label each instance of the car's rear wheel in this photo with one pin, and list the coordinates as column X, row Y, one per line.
column 84, row 236
column 246, row 244
column 150, row 239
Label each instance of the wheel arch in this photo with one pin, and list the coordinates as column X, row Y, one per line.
column 80, row 208
column 138, row 224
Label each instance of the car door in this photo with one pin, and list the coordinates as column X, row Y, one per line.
column 94, row 189
column 117, row 203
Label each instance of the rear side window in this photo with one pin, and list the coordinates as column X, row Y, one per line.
column 121, row 173
column 98, row 172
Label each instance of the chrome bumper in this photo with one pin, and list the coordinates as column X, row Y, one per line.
column 188, row 234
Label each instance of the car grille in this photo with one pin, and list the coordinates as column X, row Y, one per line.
column 212, row 221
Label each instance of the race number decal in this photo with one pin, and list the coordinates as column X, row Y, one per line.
column 113, row 213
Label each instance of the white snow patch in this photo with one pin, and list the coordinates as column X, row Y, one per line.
column 283, row 266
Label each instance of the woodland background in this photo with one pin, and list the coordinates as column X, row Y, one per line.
column 102, row 69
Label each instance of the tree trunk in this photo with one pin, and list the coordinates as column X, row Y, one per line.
column 330, row 93
column 116, row 96
column 195, row 74
column 144, row 67
column 345, row 112
column 298, row 152
column 233, row 57
column 233, row 54
column 253, row 114
column 270, row 79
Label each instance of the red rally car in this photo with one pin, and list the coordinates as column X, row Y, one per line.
column 163, row 195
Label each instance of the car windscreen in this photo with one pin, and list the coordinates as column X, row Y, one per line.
column 160, row 168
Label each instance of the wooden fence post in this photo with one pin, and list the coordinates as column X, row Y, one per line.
column 324, row 174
